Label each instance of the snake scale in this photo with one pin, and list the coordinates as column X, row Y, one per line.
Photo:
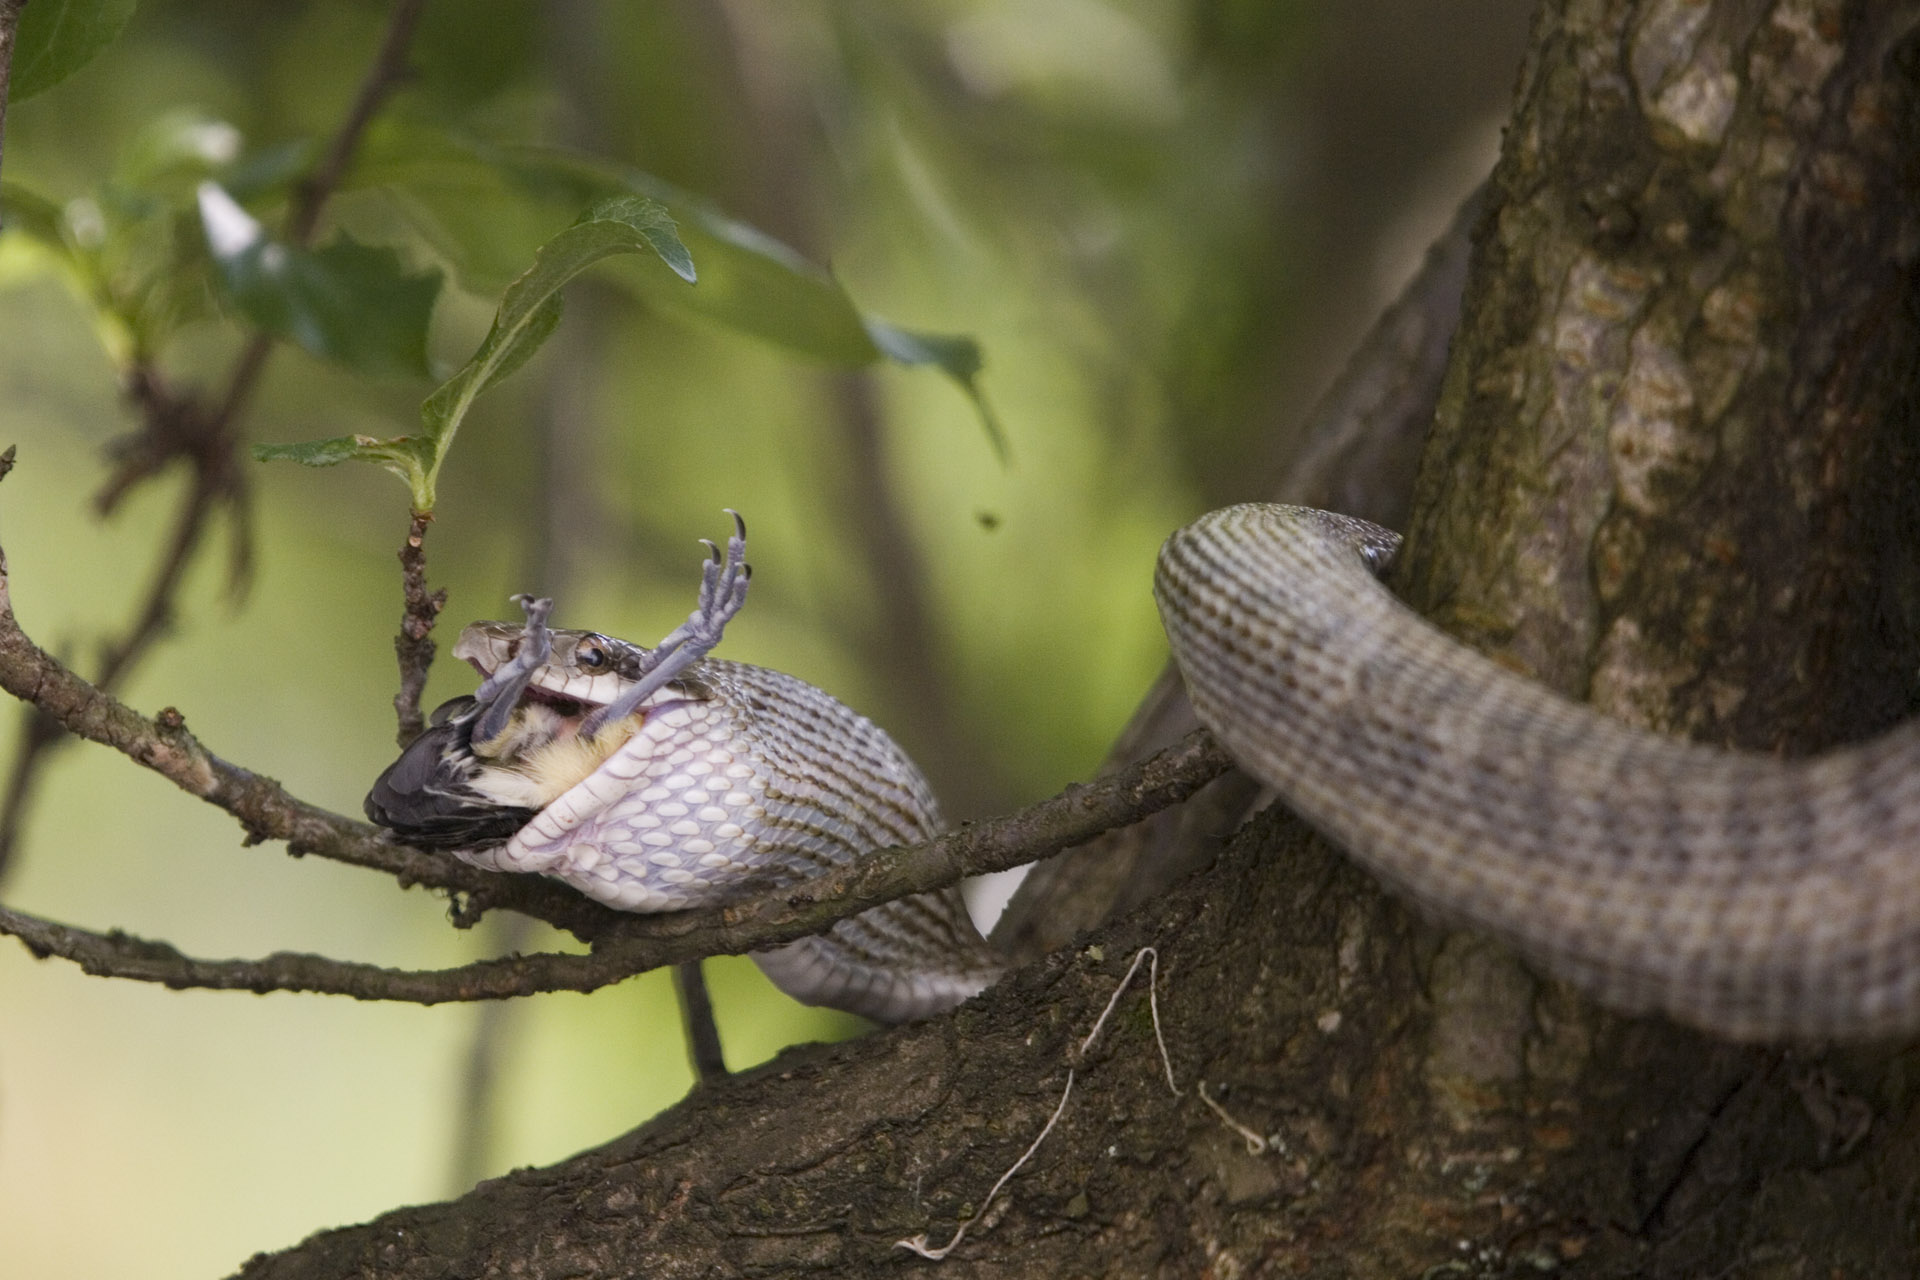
column 1743, row 894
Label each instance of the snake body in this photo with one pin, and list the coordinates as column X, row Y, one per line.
column 1751, row 896
column 729, row 779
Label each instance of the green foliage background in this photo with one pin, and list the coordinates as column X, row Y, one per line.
column 1104, row 195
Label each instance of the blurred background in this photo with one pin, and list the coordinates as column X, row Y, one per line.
column 1162, row 221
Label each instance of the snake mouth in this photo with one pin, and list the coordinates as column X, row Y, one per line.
column 568, row 702
column 559, row 702
column 569, row 710
column 586, row 673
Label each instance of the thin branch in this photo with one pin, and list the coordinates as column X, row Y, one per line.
column 414, row 645
column 386, row 74
column 696, row 1015
column 122, row 955
column 636, row 944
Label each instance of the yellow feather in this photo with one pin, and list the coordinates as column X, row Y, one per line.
column 540, row 756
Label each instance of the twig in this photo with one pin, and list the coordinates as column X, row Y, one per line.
column 414, row 645
column 696, row 1013
column 122, row 955
column 387, row 72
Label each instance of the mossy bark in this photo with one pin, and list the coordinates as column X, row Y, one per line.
column 1674, row 471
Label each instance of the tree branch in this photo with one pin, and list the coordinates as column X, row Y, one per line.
column 123, row 955
column 387, row 72
column 624, row 944
column 708, row 1056
column 414, row 647
column 633, row 944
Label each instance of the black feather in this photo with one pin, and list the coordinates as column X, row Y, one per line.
column 425, row 796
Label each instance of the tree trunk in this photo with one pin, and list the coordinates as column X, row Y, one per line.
column 1673, row 471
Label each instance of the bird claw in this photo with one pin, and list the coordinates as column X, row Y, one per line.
column 723, row 590
column 500, row 693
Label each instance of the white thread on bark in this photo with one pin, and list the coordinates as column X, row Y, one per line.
column 918, row 1244
column 1256, row 1145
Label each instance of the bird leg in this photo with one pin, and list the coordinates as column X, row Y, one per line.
column 723, row 589
column 500, row 693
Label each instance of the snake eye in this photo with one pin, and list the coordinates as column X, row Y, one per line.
column 590, row 655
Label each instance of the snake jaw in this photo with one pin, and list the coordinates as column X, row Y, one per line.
column 568, row 682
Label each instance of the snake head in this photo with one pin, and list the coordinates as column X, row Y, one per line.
column 551, row 708
column 486, row 764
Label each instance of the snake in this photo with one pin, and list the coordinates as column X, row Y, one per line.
column 1749, row 896
column 659, row 779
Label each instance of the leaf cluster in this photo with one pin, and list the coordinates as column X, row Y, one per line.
column 181, row 232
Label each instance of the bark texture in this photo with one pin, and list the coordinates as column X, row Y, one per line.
column 1672, row 470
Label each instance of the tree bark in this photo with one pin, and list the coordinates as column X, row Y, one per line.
column 1672, row 471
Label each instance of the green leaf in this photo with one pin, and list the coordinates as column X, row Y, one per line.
column 348, row 302
column 529, row 312
column 530, row 308
column 749, row 281
column 402, row 455
column 475, row 200
column 33, row 215
column 654, row 224
column 317, row 453
column 758, row 285
column 955, row 355
column 58, row 37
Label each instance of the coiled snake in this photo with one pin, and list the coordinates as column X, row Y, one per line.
column 1750, row 896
